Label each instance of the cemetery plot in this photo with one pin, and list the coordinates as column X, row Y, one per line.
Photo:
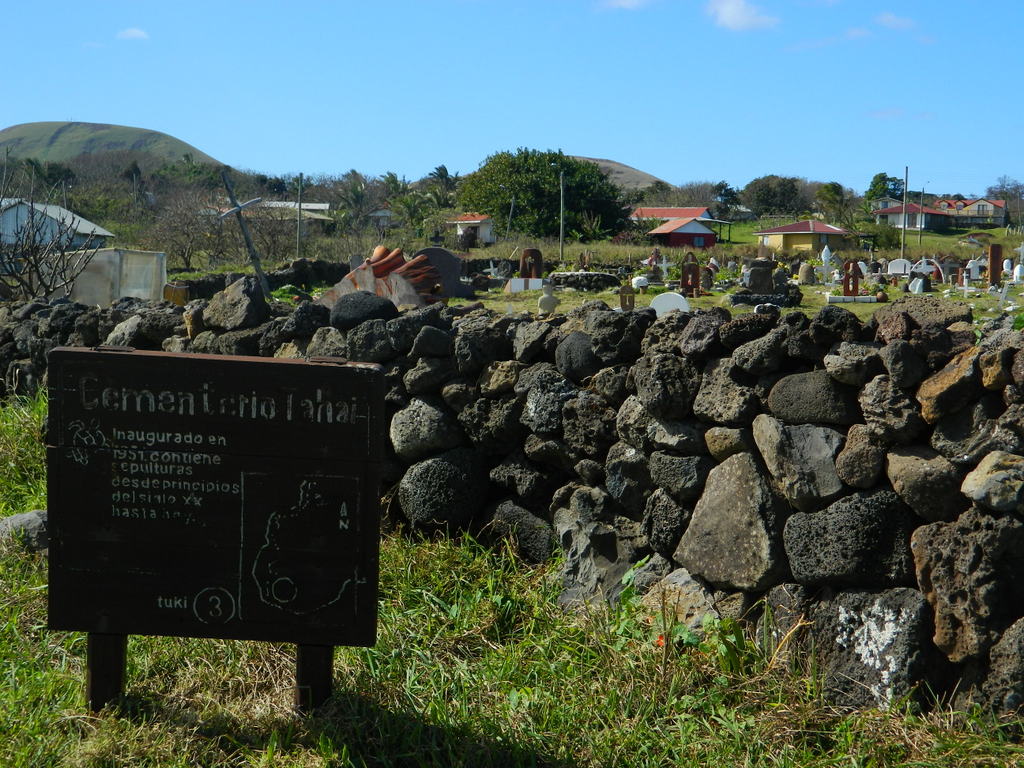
column 206, row 496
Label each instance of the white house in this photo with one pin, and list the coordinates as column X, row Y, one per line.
column 49, row 222
column 477, row 225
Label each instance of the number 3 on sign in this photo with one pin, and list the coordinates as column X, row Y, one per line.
column 214, row 605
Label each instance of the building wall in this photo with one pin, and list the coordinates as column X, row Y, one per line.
column 804, row 241
column 688, row 240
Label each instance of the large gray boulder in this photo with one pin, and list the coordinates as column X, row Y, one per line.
column 997, row 482
column 598, row 545
column 681, row 599
column 801, row 460
column 240, row 305
column 854, row 363
column 723, row 398
column 872, row 647
column 29, row 529
column 353, row 309
column 444, row 492
column 532, row 538
column 861, row 540
column 813, row 398
column 889, row 411
column 588, row 425
column 423, row 429
column 664, row 522
column 666, row 384
column 682, row 477
column 734, row 539
column 544, row 391
column 628, row 478
column 927, row 482
column 971, row 571
column 860, row 462
column 635, row 425
column 575, row 358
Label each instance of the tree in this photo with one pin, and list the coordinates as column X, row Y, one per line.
column 1010, row 190
column 532, row 178
column 775, row 195
column 837, row 203
column 884, row 186
column 187, row 227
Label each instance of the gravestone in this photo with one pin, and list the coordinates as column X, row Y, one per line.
column 780, row 279
column 851, row 279
column 627, row 298
column 806, row 275
column 707, row 279
column 449, row 267
column 208, row 496
column 664, row 303
column 760, row 278
column 995, row 259
column 898, row 267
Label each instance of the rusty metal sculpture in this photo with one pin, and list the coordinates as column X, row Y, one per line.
column 386, row 273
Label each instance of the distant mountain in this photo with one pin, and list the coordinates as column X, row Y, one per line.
column 625, row 176
column 60, row 142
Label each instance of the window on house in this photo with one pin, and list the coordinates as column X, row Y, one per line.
column 983, row 209
column 911, row 221
column 698, row 241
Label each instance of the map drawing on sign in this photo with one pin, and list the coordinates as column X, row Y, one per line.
column 322, row 509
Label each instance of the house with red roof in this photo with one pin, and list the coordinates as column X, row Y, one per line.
column 684, row 233
column 810, row 235
column 965, row 213
column 474, row 228
column 915, row 217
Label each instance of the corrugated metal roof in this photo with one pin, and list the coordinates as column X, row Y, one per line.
column 68, row 219
column 809, row 227
column 674, row 225
column 912, row 208
column 469, row 218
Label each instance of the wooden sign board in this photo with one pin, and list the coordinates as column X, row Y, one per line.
column 208, row 496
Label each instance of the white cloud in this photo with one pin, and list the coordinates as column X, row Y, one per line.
column 856, row 33
column 892, row 21
column 738, row 15
column 132, row 33
column 626, row 5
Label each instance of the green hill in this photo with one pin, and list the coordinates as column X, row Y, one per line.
column 625, row 176
column 61, row 142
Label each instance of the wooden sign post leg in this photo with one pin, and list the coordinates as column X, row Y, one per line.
column 314, row 675
column 105, row 659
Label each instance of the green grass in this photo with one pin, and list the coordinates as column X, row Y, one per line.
column 474, row 665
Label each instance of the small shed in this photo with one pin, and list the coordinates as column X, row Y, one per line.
column 475, row 227
column 684, row 233
column 809, row 235
column 116, row 272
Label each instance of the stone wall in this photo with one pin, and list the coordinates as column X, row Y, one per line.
column 867, row 477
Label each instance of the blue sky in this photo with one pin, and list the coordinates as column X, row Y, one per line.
column 683, row 89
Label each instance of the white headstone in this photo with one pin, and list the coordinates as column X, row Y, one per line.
column 639, row 282
column 667, row 302
column 863, row 268
column 917, row 285
column 1018, row 273
column 973, row 269
column 899, row 267
column 1007, row 265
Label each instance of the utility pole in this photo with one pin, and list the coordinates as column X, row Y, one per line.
column 561, row 216
column 512, row 207
column 920, row 228
column 298, row 222
column 903, row 231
